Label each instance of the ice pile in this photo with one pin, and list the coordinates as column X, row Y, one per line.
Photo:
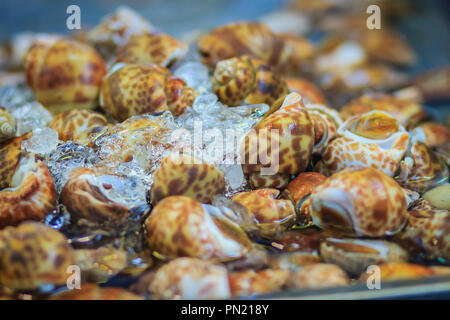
column 195, row 74
column 67, row 157
column 42, row 142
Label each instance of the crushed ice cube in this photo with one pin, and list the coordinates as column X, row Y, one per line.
column 30, row 116
column 42, row 142
column 15, row 95
column 195, row 74
column 234, row 176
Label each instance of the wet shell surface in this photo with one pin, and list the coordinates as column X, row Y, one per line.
column 278, row 181
column 186, row 176
column 436, row 134
column 270, row 214
column 10, row 152
column 309, row 92
column 282, row 142
column 71, row 123
column 354, row 255
column 318, row 275
column 64, row 73
column 243, row 79
column 156, row 48
column 86, row 197
column 7, row 125
column 32, row 255
column 32, row 193
column 190, row 278
column 400, row 271
column 359, row 202
column 91, row 291
column 249, row 282
column 374, row 139
column 181, row 226
column 138, row 89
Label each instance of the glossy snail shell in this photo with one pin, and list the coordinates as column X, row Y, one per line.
column 181, row 226
column 310, row 92
column 270, row 214
column 374, row 139
column 156, row 48
column 190, row 278
column 318, row 275
column 71, row 123
column 278, row 181
column 291, row 129
column 436, row 134
column 359, row 202
column 32, row 193
column 32, row 255
column 249, row 282
column 400, row 271
column 243, row 79
column 84, row 198
column 64, row 73
column 138, row 89
column 7, row 125
column 91, row 291
column 255, row 39
column 407, row 112
column 10, row 152
column 181, row 175
column 355, row 255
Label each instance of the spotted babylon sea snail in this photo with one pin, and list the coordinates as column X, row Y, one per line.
column 243, row 79
column 310, row 92
column 180, row 226
column 359, row 202
column 64, row 73
column 72, row 123
column 31, row 194
column 132, row 89
column 374, row 139
column 33, row 254
column 255, row 39
column 7, row 125
column 186, row 176
column 156, row 48
column 282, row 142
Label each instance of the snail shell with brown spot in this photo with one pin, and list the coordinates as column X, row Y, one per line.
column 407, row 112
column 91, row 291
column 255, row 39
column 10, row 152
column 190, row 278
column 278, row 181
column 436, row 134
column 243, row 79
column 374, row 139
column 282, row 142
column 249, row 282
column 270, row 214
column 293, row 261
column 181, row 175
column 157, row 48
column 355, row 255
column 32, row 193
column 138, row 89
column 64, row 73
column 32, row 255
column 71, row 123
column 427, row 231
column 7, row 125
column 359, row 202
column 115, row 30
column 181, row 226
column 316, row 276
column 86, row 196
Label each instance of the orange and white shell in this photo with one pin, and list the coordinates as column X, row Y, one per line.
column 436, row 134
column 244, row 79
column 249, row 282
column 64, row 73
column 156, row 48
column 310, row 92
column 318, row 275
column 10, row 152
column 85, row 197
column 181, row 175
column 136, row 89
column 374, row 139
column 7, row 125
column 115, row 30
column 401, row 271
column 32, row 255
column 71, row 123
column 32, row 193
column 359, row 202
column 181, row 226
column 282, row 142
column 270, row 214
column 91, row 291
column 278, row 181
column 326, row 123
column 190, row 278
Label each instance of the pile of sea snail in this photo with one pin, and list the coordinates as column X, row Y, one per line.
column 364, row 184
